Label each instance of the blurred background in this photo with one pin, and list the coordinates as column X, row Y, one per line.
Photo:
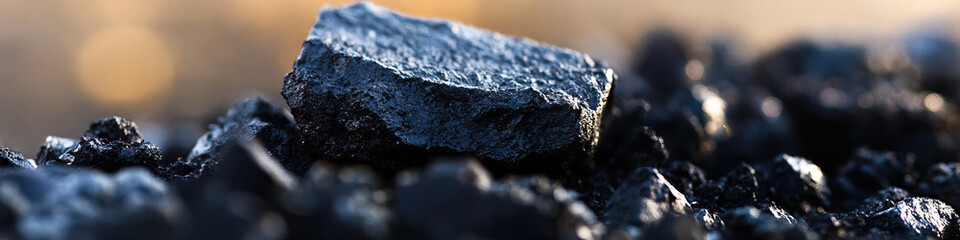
column 173, row 66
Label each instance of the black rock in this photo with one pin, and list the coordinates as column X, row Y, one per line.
column 12, row 158
column 882, row 200
column 685, row 176
column 377, row 87
column 643, row 200
column 794, row 183
column 344, row 203
column 248, row 120
column 916, row 218
column 110, row 145
column 737, row 189
column 52, row 148
column 459, row 200
column 942, row 181
column 68, row 203
column 114, row 129
column 708, row 220
column 753, row 223
column 868, row 172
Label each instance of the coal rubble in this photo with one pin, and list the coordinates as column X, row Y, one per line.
column 409, row 128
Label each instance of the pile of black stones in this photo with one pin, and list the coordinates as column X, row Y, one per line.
column 410, row 128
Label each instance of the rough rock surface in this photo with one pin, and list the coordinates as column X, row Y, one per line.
column 942, row 181
column 917, row 218
column 12, row 158
column 378, row 87
column 111, row 144
column 433, row 204
column 642, row 200
column 250, row 119
column 52, row 148
column 794, row 183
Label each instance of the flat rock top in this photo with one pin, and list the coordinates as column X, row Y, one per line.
column 455, row 54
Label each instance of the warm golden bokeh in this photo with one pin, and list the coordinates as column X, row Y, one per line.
column 125, row 66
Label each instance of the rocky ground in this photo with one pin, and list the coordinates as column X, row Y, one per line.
column 410, row 128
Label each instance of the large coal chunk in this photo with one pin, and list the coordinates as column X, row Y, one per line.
column 917, row 218
column 344, row 203
column 52, row 148
column 378, row 87
column 111, row 144
column 12, row 158
column 250, row 119
column 794, row 183
column 70, row 203
column 643, row 200
column 458, row 200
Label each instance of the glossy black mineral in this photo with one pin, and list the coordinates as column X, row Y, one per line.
column 52, row 148
column 249, row 119
column 110, row 145
column 642, row 200
column 12, row 158
column 373, row 86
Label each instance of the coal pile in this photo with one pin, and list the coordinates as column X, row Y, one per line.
column 408, row 128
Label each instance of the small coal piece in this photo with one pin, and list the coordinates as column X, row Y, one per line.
column 794, row 183
column 52, row 148
column 455, row 199
column 12, row 158
column 737, row 189
column 377, row 87
column 753, row 223
column 642, row 200
column 110, row 145
column 248, row 120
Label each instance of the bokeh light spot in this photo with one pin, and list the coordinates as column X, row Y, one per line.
column 125, row 66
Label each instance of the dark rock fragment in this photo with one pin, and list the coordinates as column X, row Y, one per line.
column 753, row 223
column 458, row 199
column 248, row 120
column 794, row 183
column 684, row 176
column 343, row 203
column 52, row 148
column 111, row 144
column 916, row 218
column 642, row 200
column 114, row 129
column 942, row 182
column 12, row 158
column 868, row 172
column 377, row 87
column 708, row 220
column 738, row 188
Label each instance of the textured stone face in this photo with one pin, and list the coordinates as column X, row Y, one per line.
column 375, row 86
